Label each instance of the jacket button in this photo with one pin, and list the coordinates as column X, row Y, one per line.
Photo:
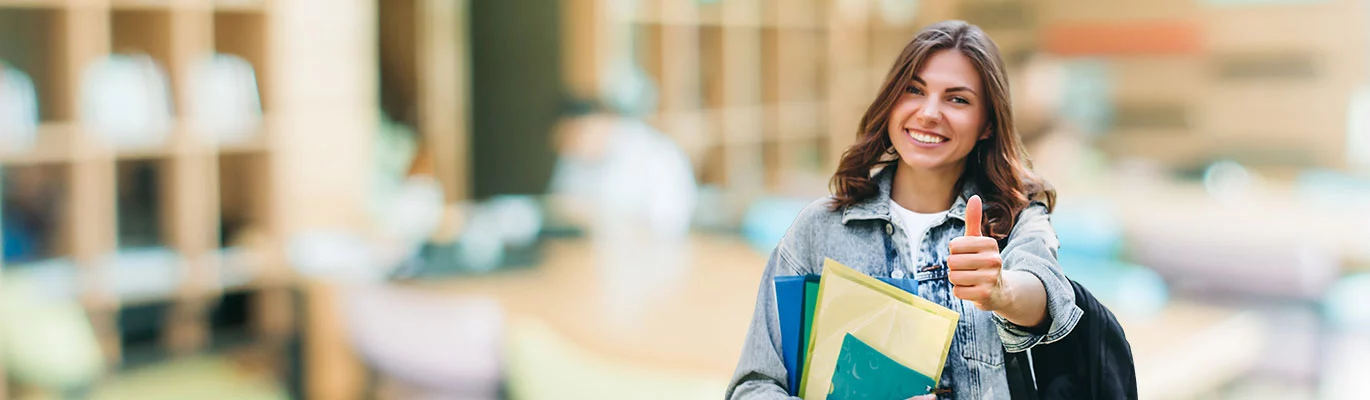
column 889, row 229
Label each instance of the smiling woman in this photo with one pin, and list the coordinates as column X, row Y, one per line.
column 937, row 190
column 944, row 105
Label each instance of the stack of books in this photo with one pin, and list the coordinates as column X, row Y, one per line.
column 848, row 335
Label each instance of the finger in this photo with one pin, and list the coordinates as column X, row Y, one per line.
column 972, row 244
column 974, row 213
column 970, row 293
column 961, row 278
column 961, row 262
column 974, row 261
column 971, row 277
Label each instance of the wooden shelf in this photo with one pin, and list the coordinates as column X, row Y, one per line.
column 32, row 3
column 55, row 143
column 257, row 144
column 243, row 6
column 727, row 23
column 121, row 5
column 149, row 152
column 101, row 188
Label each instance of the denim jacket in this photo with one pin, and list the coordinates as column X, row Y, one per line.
column 863, row 236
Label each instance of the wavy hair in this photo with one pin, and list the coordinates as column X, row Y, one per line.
column 999, row 166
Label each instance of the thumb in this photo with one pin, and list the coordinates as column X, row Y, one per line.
column 974, row 214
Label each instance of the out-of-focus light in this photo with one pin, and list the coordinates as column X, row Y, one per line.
column 852, row 10
column 1088, row 95
column 1088, row 227
column 18, row 110
column 899, row 12
column 519, row 217
column 1228, row 180
column 766, row 221
column 337, row 255
column 48, row 342
column 1358, row 131
column 228, row 107
column 628, row 89
column 126, row 99
column 1348, row 303
column 492, row 227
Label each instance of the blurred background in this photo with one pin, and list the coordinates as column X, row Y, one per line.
column 346, row 199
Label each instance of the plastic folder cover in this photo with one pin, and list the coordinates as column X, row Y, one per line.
column 864, row 373
column 908, row 329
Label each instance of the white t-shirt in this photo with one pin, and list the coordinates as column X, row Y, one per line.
column 915, row 224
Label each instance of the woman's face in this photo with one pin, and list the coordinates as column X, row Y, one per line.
column 940, row 116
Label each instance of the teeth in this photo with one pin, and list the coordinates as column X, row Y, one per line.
column 925, row 138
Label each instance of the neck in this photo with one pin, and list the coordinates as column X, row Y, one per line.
column 925, row 191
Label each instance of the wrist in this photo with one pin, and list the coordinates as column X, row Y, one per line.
column 1002, row 299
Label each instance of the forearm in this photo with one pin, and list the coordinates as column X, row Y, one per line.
column 1024, row 299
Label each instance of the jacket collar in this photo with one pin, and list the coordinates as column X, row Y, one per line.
column 878, row 207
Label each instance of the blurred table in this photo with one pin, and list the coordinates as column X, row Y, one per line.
column 697, row 325
column 694, row 326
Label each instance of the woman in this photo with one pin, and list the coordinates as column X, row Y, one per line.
column 907, row 203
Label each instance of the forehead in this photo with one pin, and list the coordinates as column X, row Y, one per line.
column 949, row 68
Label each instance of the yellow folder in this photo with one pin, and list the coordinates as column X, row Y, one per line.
column 906, row 328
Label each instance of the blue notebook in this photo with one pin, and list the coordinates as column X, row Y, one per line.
column 789, row 295
column 794, row 306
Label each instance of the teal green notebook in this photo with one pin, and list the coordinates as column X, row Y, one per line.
column 810, row 302
column 864, row 373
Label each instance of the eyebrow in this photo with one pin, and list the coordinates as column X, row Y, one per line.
column 954, row 89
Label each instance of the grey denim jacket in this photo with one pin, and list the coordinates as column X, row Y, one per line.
column 864, row 237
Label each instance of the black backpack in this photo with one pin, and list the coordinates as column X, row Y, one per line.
column 1093, row 362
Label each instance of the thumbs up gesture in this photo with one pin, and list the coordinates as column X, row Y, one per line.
column 974, row 265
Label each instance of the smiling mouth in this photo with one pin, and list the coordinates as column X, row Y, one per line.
column 924, row 137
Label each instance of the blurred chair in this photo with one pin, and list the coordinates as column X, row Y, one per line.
column 48, row 342
column 426, row 346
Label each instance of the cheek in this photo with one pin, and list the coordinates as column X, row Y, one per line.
column 967, row 123
column 901, row 111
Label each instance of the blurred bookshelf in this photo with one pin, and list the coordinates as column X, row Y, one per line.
column 765, row 95
column 738, row 80
column 1187, row 76
column 149, row 238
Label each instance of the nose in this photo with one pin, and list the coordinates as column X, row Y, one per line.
column 929, row 114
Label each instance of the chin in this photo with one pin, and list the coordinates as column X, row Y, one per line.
column 924, row 163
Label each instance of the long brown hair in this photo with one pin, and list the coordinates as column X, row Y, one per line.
column 999, row 166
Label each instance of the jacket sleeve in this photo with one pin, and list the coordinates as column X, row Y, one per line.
column 1032, row 248
column 761, row 372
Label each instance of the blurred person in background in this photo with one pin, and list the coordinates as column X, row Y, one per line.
column 635, row 191
column 1060, row 152
column 907, row 203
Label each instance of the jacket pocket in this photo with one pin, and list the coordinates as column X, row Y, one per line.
column 979, row 336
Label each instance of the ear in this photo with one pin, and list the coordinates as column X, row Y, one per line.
column 986, row 134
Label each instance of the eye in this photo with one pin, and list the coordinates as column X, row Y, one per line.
column 961, row 100
column 914, row 90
